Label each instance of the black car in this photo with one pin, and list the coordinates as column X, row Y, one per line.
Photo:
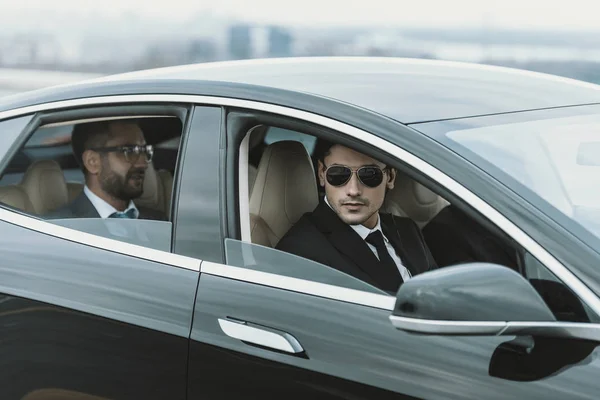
column 203, row 306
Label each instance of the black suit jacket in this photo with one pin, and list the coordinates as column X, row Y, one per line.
column 455, row 238
column 323, row 237
column 82, row 207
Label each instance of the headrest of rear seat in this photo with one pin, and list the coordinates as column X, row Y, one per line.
column 45, row 186
column 15, row 196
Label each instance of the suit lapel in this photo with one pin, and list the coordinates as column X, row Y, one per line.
column 407, row 248
column 82, row 207
column 350, row 244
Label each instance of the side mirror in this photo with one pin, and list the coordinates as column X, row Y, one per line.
column 588, row 154
column 479, row 299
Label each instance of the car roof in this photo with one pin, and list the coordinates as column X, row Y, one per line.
column 407, row 90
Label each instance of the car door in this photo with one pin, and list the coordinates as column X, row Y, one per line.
column 84, row 316
column 268, row 324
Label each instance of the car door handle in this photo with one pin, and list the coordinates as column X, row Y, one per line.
column 260, row 335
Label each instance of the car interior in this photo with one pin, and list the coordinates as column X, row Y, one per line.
column 44, row 174
column 282, row 185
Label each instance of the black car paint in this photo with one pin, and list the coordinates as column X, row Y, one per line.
column 89, row 320
column 198, row 229
column 354, row 352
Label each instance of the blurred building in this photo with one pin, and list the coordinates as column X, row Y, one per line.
column 240, row 42
column 280, row 42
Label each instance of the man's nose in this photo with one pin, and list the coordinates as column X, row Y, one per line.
column 141, row 162
column 353, row 188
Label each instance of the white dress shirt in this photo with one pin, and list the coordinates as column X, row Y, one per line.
column 104, row 209
column 363, row 232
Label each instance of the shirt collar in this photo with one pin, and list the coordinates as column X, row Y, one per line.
column 104, row 209
column 362, row 230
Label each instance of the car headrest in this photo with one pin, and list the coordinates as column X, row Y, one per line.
column 411, row 199
column 45, row 186
column 15, row 196
column 285, row 187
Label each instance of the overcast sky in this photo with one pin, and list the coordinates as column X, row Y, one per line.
column 555, row 14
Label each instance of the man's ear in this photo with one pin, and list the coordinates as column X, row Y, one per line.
column 91, row 162
column 391, row 178
column 321, row 173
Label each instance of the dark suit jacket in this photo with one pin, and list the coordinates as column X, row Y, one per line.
column 323, row 237
column 82, row 207
column 455, row 238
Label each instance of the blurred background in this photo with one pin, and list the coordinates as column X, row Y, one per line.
column 44, row 42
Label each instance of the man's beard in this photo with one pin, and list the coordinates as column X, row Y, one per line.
column 118, row 186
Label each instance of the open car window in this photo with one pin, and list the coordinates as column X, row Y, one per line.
column 44, row 179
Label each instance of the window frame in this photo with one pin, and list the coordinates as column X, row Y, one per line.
column 100, row 108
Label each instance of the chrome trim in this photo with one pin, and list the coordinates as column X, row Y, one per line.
column 498, row 219
column 574, row 330
column 300, row 285
column 427, row 326
column 261, row 336
column 101, row 242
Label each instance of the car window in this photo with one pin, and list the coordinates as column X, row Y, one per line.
column 265, row 259
column 10, row 129
column 45, row 178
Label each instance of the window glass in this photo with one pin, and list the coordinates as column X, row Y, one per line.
column 10, row 129
column 265, row 259
column 275, row 134
column 153, row 234
column 45, row 177
column 558, row 159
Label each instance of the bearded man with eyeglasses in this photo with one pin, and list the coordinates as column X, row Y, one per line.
column 114, row 157
column 347, row 232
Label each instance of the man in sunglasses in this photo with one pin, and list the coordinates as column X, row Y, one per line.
column 114, row 157
column 346, row 231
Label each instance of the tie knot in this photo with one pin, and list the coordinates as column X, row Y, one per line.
column 375, row 238
column 127, row 214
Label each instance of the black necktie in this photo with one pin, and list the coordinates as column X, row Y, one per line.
column 386, row 262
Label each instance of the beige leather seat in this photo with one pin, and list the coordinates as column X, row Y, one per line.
column 410, row 199
column 15, row 196
column 45, row 186
column 252, row 171
column 158, row 186
column 285, row 188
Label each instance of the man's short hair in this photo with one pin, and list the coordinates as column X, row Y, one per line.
column 89, row 135
column 323, row 149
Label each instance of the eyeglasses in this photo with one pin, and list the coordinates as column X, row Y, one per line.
column 131, row 153
column 339, row 175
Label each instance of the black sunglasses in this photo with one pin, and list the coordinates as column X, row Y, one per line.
column 131, row 153
column 339, row 175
